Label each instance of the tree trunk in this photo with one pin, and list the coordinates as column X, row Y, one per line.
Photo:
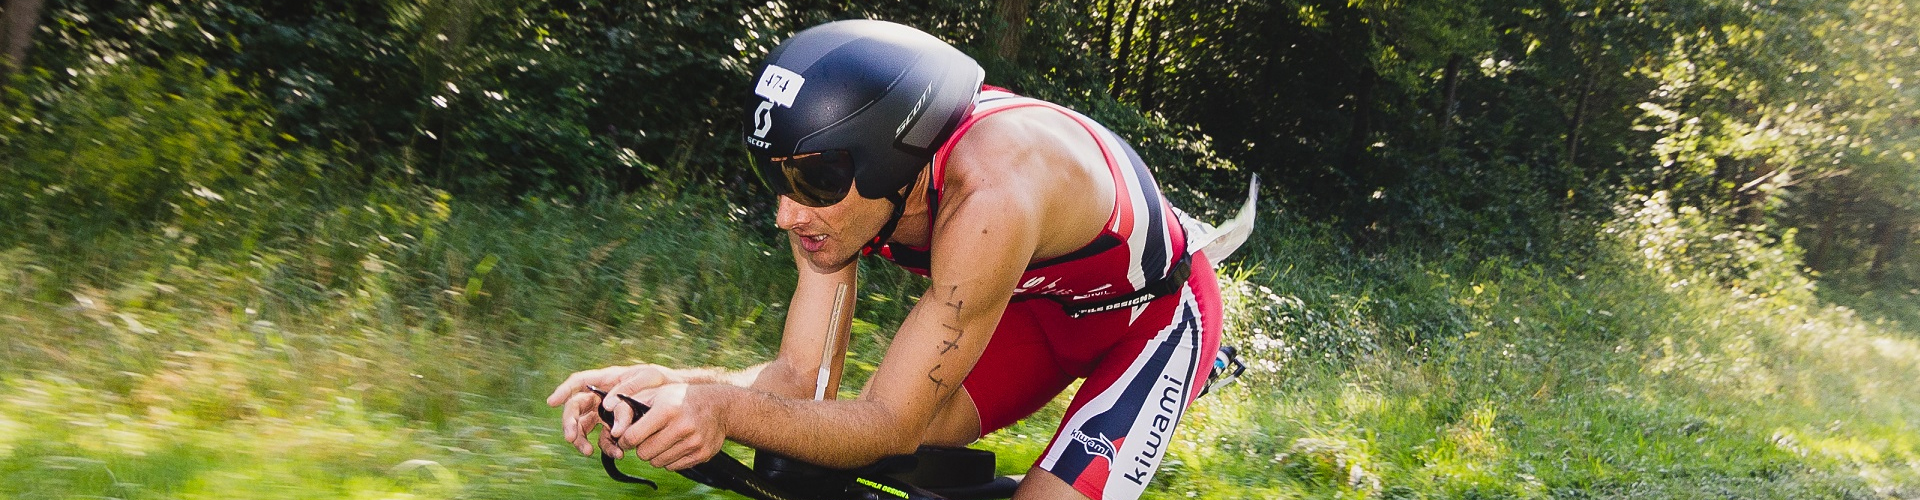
column 1889, row 240
column 1580, row 116
column 1820, row 256
column 1750, row 198
column 22, row 18
column 1150, row 78
column 1362, row 130
column 1013, row 18
column 1120, row 67
column 1822, row 243
column 1104, row 49
column 1450, row 100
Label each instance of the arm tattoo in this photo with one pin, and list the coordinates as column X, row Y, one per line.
column 952, row 342
column 939, row 384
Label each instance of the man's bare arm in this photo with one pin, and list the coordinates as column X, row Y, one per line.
column 812, row 328
column 791, row 374
column 934, row 350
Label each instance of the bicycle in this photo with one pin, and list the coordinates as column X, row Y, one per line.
column 931, row 473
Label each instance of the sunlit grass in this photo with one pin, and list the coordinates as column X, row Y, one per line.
column 397, row 347
column 1614, row 381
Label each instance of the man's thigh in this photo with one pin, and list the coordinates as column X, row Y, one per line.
column 1120, row 425
column 1042, row 485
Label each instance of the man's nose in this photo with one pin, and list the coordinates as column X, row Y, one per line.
column 789, row 214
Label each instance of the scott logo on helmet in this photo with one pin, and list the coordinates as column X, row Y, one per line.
column 762, row 122
column 901, row 131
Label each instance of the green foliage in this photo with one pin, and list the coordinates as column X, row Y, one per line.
column 125, row 146
column 488, row 97
column 1493, row 129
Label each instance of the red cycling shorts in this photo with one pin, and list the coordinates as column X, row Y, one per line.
column 1143, row 366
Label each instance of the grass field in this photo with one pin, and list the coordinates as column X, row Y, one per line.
column 396, row 343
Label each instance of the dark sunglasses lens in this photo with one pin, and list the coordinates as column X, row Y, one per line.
column 771, row 176
column 817, row 179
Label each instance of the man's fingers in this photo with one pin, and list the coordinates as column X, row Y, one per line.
column 580, row 380
column 664, row 446
column 642, row 430
column 579, row 418
column 676, row 456
column 697, row 457
column 695, row 452
column 623, row 415
column 567, row 419
column 607, row 446
column 683, row 463
column 635, row 385
column 572, row 385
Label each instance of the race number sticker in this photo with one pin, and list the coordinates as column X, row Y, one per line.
column 779, row 85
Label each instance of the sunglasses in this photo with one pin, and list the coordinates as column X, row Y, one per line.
column 816, row 179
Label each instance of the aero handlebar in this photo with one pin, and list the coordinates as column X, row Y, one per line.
column 722, row 471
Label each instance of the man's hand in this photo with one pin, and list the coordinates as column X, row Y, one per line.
column 680, row 431
column 578, row 417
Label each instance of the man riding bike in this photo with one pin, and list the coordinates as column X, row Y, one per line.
column 1052, row 257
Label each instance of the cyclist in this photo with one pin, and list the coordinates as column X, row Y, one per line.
column 1052, row 257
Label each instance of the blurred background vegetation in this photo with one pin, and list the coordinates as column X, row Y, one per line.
column 1526, row 249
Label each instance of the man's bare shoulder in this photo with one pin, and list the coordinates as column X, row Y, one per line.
column 1029, row 144
column 1039, row 165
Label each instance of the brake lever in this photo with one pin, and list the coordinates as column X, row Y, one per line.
column 606, row 417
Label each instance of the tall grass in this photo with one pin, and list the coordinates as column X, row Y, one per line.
column 400, row 344
column 1684, row 360
column 399, row 328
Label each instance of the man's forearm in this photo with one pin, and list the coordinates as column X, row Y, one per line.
column 771, row 377
column 743, row 377
column 843, row 434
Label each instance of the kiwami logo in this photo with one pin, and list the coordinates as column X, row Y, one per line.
column 1095, row 445
column 1163, row 422
column 762, row 122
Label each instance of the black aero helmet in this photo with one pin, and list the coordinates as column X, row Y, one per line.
column 859, row 100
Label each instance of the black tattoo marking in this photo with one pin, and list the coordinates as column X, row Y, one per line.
column 951, row 343
column 939, row 384
column 951, row 290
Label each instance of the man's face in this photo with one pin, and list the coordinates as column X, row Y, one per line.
column 831, row 236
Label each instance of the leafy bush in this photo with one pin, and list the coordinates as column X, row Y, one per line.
column 1683, row 244
column 124, row 147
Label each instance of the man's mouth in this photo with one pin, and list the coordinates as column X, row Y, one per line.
column 812, row 243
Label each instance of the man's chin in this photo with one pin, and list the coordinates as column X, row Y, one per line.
column 831, row 259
